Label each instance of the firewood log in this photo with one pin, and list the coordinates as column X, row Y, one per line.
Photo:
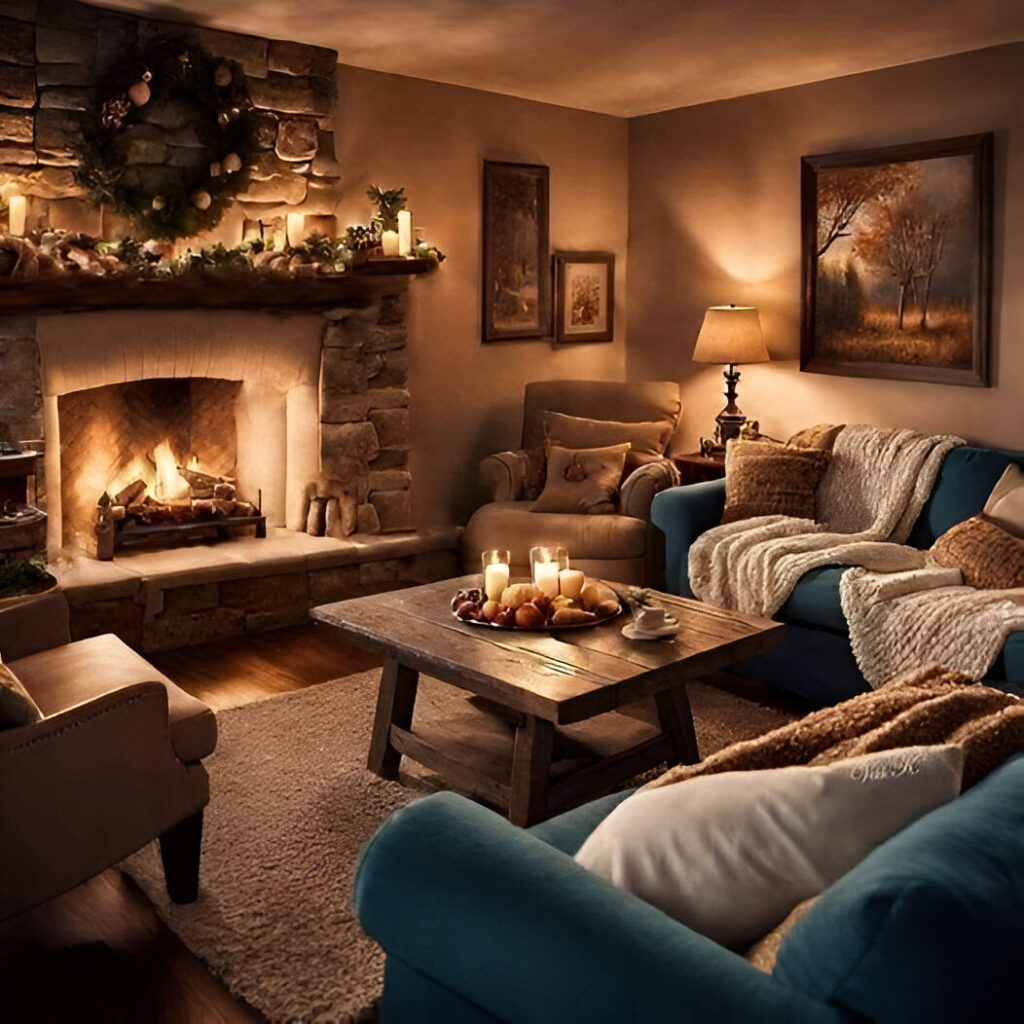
column 130, row 494
column 224, row 491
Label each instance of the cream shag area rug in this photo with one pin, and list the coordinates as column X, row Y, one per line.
column 291, row 804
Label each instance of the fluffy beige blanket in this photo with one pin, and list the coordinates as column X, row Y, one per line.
column 931, row 705
column 904, row 620
column 871, row 494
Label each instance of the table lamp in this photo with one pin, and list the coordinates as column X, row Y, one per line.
column 731, row 335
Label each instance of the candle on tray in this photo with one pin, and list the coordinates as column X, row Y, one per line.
column 296, row 229
column 570, row 582
column 17, row 210
column 496, row 573
column 389, row 242
column 545, row 564
column 404, row 232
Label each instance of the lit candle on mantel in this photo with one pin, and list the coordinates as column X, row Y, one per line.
column 296, row 229
column 404, row 233
column 389, row 242
column 17, row 211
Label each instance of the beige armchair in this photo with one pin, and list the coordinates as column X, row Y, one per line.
column 621, row 546
column 115, row 762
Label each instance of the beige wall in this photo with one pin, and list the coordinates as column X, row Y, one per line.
column 715, row 218
column 432, row 139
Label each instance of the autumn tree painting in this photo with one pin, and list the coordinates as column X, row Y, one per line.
column 896, row 261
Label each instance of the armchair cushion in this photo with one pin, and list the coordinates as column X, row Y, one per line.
column 73, row 673
column 16, row 704
column 582, row 480
column 646, row 440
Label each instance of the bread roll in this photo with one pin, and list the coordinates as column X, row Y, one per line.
column 595, row 593
column 606, row 609
column 571, row 617
column 518, row 594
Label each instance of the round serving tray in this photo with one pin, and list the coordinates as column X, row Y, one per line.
column 547, row 628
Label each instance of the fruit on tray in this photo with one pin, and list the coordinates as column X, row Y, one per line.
column 525, row 606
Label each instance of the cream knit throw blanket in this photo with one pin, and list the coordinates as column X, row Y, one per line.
column 905, row 620
column 868, row 500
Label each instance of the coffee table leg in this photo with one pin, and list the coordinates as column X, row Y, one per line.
column 676, row 720
column 395, row 701
column 531, row 767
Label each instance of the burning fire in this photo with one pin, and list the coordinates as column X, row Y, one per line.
column 169, row 483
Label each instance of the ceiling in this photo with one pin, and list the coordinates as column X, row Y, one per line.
column 623, row 57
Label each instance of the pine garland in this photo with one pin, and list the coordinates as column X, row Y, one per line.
column 212, row 90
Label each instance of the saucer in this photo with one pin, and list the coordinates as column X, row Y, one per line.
column 671, row 628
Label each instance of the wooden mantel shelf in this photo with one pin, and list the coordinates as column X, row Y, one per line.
column 213, row 290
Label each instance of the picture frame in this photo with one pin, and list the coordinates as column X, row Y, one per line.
column 584, row 296
column 897, row 261
column 516, row 287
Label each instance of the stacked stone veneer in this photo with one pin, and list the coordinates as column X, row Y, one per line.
column 364, row 410
column 52, row 54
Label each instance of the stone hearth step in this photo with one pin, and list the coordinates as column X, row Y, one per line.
column 160, row 599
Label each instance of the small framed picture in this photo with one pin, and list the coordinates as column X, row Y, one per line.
column 584, row 296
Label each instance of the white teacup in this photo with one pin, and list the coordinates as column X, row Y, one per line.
column 649, row 620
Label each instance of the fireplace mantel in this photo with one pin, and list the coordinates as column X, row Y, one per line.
column 198, row 290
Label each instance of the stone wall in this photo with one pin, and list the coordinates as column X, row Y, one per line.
column 52, row 54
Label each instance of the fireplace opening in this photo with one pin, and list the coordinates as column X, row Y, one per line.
column 152, row 461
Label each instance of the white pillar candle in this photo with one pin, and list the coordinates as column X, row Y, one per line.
column 17, row 210
column 546, row 577
column 296, row 229
column 495, row 580
column 570, row 582
column 389, row 242
column 404, row 232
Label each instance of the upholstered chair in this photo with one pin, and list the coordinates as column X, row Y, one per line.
column 114, row 761
column 619, row 545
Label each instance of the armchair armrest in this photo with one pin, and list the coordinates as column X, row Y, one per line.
column 83, row 789
column 643, row 484
column 505, row 474
column 683, row 514
column 518, row 928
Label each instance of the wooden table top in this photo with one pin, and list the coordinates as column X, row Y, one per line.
column 560, row 675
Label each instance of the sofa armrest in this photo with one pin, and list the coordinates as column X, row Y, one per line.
column 519, row 929
column 81, row 790
column 683, row 514
column 505, row 474
column 33, row 625
column 643, row 484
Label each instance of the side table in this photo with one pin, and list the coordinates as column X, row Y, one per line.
column 695, row 468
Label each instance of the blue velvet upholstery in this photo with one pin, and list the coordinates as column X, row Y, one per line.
column 476, row 911
column 813, row 659
column 929, row 928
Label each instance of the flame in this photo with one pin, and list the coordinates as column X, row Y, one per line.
column 168, row 484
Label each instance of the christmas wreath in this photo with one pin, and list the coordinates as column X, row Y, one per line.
column 202, row 102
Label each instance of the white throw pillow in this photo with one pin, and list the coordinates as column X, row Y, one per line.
column 1005, row 505
column 731, row 855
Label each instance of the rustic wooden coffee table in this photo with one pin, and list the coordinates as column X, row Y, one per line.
column 568, row 682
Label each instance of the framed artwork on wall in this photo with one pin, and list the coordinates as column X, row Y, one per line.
column 897, row 253
column 584, row 296
column 516, row 281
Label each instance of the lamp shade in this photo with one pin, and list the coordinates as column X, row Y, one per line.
column 731, row 334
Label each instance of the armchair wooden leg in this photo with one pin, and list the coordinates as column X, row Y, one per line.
column 179, row 851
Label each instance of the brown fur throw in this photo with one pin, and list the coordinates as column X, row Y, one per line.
column 925, row 706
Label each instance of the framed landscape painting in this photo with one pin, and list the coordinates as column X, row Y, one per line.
column 897, row 261
column 584, row 296
column 517, row 279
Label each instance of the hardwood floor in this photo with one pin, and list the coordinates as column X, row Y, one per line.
column 100, row 953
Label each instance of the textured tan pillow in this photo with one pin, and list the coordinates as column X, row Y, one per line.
column 582, row 480
column 989, row 557
column 578, row 432
column 1005, row 505
column 16, row 705
column 765, row 478
column 821, row 435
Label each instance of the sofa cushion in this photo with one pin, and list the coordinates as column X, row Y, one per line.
column 1005, row 505
column 930, row 926
column 584, row 481
column 16, row 704
column 73, row 673
column 764, row 478
column 987, row 556
column 730, row 855
column 815, row 600
column 963, row 486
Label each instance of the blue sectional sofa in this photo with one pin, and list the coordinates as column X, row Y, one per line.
column 813, row 659
column 483, row 922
